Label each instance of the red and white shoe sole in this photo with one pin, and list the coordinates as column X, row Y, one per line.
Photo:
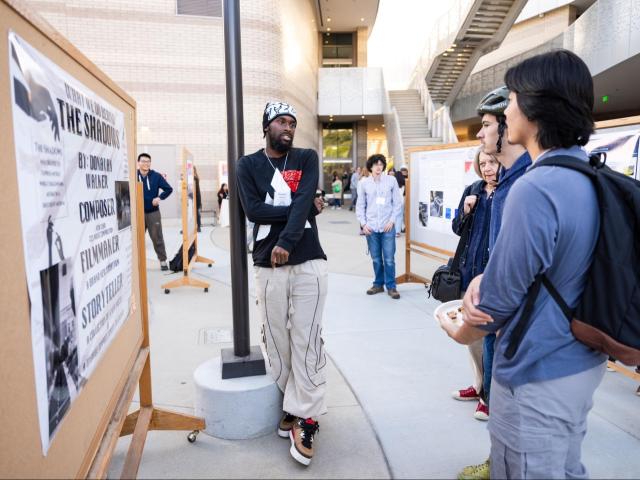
column 456, row 396
column 283, row 433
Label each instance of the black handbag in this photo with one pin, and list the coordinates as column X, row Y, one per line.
column 446, row 283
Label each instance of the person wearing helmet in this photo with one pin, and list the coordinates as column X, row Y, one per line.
column 515, row 160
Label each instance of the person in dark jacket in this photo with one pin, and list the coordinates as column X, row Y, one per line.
column 152, row 184
column 474, row 213
column 277, row 188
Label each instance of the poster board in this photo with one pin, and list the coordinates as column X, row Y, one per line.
column 79, row 432
column 440, row 173
column 189, row 228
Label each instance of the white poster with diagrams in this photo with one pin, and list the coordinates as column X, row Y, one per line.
column 73, row 180
column 438, row 178
column 621, row 148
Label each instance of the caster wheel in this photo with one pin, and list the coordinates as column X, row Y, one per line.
column 209, row 265
column 192, row 436
column 167, row 291
column 206, row 290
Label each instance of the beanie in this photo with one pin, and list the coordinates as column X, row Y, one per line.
column 274, row 110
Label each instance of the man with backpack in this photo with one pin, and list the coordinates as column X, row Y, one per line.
column 543, row 376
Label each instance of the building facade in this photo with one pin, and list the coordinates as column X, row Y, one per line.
column 169, row 56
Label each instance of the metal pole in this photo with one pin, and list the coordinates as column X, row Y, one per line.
column 235, row 149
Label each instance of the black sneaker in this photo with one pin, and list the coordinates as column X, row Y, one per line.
column 301, row 436
column 163, row 266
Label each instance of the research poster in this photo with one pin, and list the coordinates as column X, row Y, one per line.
column 621, row 149
column 75, row 206
column 440, row 176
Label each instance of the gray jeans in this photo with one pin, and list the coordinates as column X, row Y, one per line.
column 153, row 223
column 537, row 428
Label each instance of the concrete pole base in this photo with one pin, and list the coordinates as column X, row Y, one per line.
column 237, row 408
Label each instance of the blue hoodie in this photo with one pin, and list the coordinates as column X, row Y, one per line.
column 152, row 183
column 543, row 231
column 505, row 182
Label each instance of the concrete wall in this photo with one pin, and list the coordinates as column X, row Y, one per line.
column 527, row 34
column 350, row 91
column 173, row 66
column 604, row 36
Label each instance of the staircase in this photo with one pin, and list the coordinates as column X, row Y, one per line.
column 413, row 124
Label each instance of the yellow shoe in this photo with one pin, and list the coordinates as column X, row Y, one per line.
column 475, row 472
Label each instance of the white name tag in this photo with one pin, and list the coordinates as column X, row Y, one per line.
column 380, row 201
column 282, row 199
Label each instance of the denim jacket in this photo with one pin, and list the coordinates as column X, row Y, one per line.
column 475, row 255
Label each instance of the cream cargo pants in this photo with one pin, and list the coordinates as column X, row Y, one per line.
column 291, row 301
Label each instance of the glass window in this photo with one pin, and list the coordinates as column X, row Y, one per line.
column 337, row 50
column 337, row 141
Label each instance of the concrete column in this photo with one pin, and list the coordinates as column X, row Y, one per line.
column 361, row 143
column 362, row 35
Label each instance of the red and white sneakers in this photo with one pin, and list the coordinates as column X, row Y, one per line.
column 466, row 395
column 482, row 411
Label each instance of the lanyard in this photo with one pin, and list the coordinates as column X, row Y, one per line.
column 284, row 167
column 142, row 179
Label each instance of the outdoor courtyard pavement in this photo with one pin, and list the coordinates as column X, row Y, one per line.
column 391, row 374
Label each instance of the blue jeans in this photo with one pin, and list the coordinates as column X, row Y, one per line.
column 382, row 247
column 487, row 364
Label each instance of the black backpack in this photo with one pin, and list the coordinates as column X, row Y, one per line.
column 446, row 283
column 176, row 264
column 607, row 317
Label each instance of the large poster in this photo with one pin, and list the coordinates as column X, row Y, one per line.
column 75, row 206
column 440, row 176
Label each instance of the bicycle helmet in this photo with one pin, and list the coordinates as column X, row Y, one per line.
column 495, row 102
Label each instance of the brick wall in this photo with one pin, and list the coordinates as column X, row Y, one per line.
column 173, row 66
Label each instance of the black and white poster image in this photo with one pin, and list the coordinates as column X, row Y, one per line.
column 61, row 339
column 123, row 204
column 423, row 213
column 436, row 198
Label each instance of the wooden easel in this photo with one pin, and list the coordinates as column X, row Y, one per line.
column 189, row 232
column 415, row 247
column 147, row 417
column 419, row 248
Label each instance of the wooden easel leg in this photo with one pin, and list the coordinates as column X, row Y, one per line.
column 185, row 281
column 134, row 454
column 206, row 260
column 167, row 420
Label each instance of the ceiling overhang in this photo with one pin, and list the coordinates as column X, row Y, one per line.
column 345, row 15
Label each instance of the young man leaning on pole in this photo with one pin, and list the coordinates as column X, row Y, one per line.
column 543, row 390
column 277, row 187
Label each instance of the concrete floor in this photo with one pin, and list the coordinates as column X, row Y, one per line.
column 391, row 373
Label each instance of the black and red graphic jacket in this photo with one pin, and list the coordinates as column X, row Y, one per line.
column 287, row 224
